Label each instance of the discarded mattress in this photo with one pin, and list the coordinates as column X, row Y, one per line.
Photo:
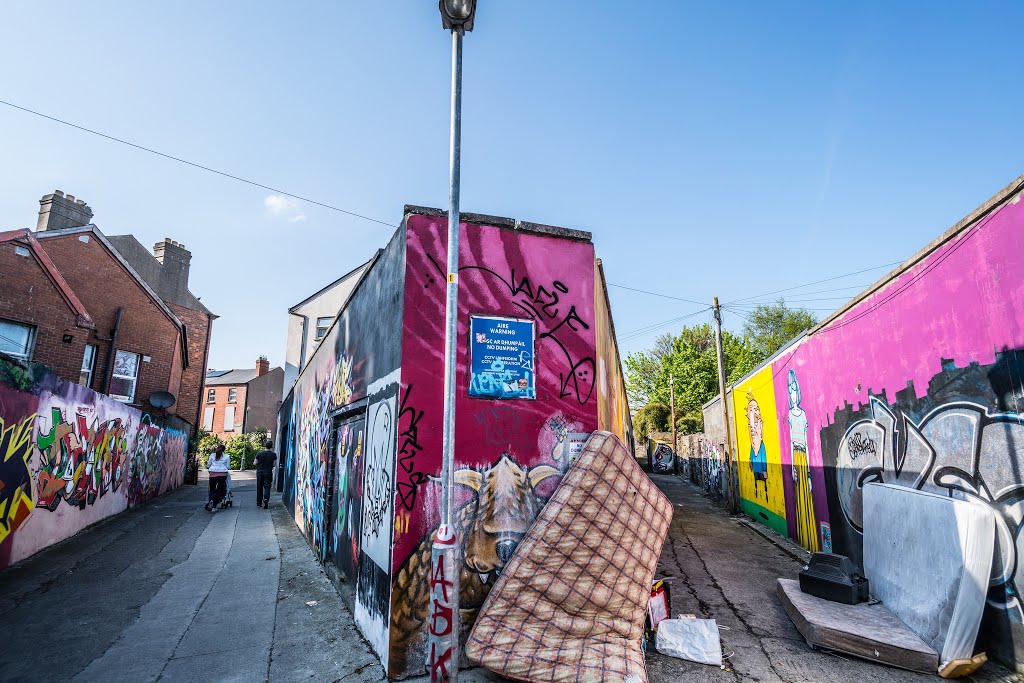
column 571, row 604
column 928, row 558
column 863, row 630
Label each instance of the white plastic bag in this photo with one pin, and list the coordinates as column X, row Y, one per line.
column 693, row 639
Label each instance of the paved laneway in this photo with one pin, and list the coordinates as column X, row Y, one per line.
column 723, row 570
column 170, row 592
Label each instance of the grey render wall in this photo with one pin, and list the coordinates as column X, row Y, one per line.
column 262, row 399
column 150, row 270
column 302, row 322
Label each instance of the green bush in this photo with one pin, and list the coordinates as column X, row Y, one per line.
column 247, row 445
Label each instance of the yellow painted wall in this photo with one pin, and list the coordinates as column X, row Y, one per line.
column 763, row 500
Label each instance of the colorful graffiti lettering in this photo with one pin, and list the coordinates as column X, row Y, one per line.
column 79, row 463
column 958, row 449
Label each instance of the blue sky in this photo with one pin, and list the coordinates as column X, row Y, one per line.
column 721, row 149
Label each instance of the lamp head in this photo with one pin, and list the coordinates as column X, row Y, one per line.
column 457, row 15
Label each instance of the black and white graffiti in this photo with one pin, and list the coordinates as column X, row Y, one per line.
column 958, row 448
column 378, row 480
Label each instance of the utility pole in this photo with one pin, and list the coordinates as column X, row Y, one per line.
column 672, row 400
column 725, row 409
column 443, row 635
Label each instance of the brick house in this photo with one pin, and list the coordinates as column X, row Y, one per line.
column 123, row 338
column 242, row 400
column 41, row 317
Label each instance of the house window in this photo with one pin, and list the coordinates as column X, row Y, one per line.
column 232, row 395
column 21, row 251
column 208, row 419
column 88, row 363
column 211, row 396
column 229, row 419
column 16, row 339
column 322, row 325
column 126, row 375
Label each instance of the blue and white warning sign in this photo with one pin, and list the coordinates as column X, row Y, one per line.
column 501, row 358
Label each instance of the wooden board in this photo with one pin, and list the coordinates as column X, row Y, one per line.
column 868, row 631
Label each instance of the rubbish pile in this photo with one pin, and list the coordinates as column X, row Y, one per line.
column 927, row 561
column 571, row 603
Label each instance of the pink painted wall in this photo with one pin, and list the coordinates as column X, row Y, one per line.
column 964, row 302
column 507, row 273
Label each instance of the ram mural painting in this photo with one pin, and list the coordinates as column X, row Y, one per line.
column 919, row 382
column 363, row 423
column 72, row 457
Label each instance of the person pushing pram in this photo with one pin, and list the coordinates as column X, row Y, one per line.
column 218, row 465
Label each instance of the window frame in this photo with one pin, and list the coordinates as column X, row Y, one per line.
column 30, row 344
column 321, row 330
column 135, row 380
column 233, row 395
column 88, row 372
column 211, row 395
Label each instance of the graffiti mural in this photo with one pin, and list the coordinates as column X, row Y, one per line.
column 962, row 439
column 800, row 468
column 661, row 456
column 363, row 423
column 15, row 476
column 758, row 449
column 72, row 457
column 504, row 502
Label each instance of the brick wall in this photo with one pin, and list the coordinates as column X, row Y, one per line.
column 220, row 405
column 103, row 286
column 190, row 400
column 28, row 295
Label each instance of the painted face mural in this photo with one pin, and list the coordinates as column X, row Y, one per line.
column 759, row 451
column 758, row 457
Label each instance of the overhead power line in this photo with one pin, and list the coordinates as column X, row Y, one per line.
column 816, row 282
column 664, row 296
column 199, row 166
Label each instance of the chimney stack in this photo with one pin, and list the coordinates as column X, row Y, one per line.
column 57, row 212
column 175, row 260
column 262, row 366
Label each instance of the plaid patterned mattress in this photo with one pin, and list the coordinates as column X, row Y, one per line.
column 570, row 605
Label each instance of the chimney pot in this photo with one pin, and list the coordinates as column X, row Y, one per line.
column 58, row 211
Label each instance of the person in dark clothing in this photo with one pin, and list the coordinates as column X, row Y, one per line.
column 265, row 474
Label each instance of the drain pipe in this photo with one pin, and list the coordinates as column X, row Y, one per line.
column 108, row 371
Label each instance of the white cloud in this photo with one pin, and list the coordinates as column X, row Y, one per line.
column 280, row 206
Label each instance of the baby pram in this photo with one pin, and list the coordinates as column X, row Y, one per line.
column 225, row 502
column 228, row 500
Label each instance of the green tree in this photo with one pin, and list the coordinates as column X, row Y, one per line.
column 772, row 326
column 245, row 445
column 206, row 443
column 653, row 417
column 692, row 362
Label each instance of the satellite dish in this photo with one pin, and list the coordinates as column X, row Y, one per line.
column 162, row 399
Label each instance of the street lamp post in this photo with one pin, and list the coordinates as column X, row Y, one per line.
column 444, row 628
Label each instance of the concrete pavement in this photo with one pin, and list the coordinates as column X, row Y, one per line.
column 724, row 570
